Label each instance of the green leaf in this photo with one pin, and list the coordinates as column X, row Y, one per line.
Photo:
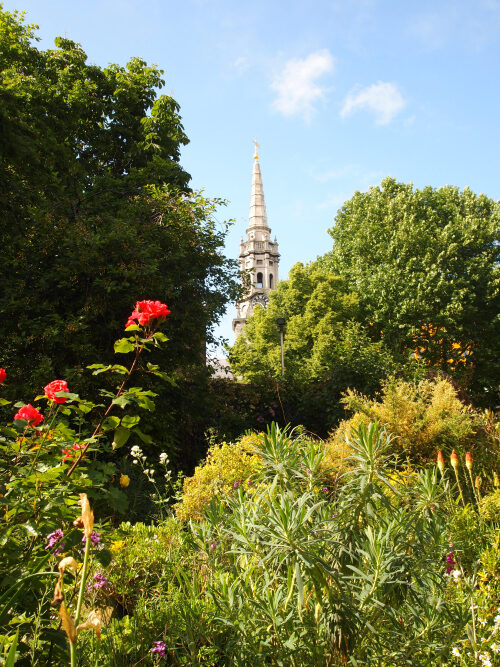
column 160, row 337
column 111, row 423
column 11, row 657
column 146, row 439
column 129, row 421
column 120, row 438
column 124, row 345
column 4, row 401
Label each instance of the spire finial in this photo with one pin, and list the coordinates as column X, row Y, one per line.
column 256, row 154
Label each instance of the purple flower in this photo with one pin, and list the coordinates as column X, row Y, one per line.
column 249, row 483
column 212, row 546
column 325, row 489
column 95, row 538
column 160, row 648
column 100, row 581
column 53, row 539
column 451, row 562
column 236, row 485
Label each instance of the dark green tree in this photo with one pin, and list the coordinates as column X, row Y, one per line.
column 96, row 213
column 327, row 350
column 425, row 264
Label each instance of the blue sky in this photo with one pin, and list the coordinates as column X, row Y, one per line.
column 339, row 94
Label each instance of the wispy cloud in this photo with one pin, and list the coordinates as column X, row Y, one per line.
column 241, row 64
column 297, row 87
column 334, row 202
column 383, row 98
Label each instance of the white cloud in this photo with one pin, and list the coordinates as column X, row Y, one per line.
column 241, row 64
column 297, row 87
column 383, row 98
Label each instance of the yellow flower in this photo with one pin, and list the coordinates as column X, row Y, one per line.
column 117, row 545
column 124, row 481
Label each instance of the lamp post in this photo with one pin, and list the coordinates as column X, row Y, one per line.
column 281, row 326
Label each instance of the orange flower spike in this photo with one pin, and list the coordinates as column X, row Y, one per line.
column 87, row 516
column 454, row 459
column 468, row 461
column 440, row 461
column 477, row 483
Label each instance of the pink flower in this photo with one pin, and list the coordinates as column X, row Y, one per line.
column 146, row 311
column 3, row 375
column 53, row 387
column 30, row 414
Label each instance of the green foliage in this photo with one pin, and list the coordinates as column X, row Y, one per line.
column 425, row 266
column 227, row 466
column 43, row 469
column 326, row 350
column 489, row 506
column 355, row 576
column 425, row 417
column 96, row 213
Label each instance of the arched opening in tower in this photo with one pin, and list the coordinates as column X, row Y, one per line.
column 270, row 281
column 259, row 280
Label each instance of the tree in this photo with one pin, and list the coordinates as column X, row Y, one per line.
column 425, row 266
column 96, row 213
column 326, row 349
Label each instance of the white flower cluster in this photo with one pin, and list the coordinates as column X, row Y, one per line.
column 137, row 454
column 164, row 461
column 485, row 659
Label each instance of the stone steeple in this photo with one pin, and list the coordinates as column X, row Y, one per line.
column 258, row 254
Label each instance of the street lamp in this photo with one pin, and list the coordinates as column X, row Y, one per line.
column 281, row 322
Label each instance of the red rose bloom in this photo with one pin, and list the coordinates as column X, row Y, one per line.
column 55, row 386
column 3, row 375
column 146, row 311
column 30, row 414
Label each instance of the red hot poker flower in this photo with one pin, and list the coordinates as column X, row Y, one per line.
column 146, row 311
column 3, row 375
column 440, row 461
column 53, row 387
column 468, row 460
column 30, row 414
column 454, row 459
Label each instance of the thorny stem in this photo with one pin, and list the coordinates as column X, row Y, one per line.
column 138, row 351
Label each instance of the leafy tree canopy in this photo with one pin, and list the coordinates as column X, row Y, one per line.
column 96, row 213
column 425, row 264
column 322, row 336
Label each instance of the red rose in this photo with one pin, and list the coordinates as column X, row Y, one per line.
column 3, row 375
column 55, row 386
column 30, row 414
column 146, row 311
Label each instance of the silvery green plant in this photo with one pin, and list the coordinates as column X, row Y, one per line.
column 356, row 576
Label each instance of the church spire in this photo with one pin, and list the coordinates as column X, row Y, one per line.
column 258, row 214
column 259, row 256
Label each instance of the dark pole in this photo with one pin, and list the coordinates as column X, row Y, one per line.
column 281, row 326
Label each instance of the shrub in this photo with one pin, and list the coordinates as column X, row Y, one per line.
column 425, row 416
column 227, row 465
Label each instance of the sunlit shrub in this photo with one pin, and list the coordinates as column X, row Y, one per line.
column 425, row 417
column 226, row 466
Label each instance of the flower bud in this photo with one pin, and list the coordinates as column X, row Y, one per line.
column 124, row 481
column 477, row 483
column 440, row 461
column 468, row 461
column 454, row 459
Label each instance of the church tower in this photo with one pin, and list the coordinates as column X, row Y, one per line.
column 258, row 254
